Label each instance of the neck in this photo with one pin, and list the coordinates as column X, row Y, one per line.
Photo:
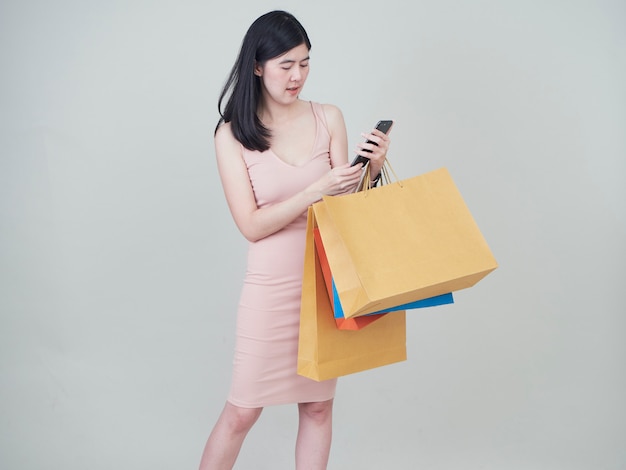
column 272, row 113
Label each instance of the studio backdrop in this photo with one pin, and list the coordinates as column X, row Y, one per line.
column 120, row 265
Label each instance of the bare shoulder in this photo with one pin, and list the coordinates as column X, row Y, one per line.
column 333, row 113
column 225, row 141
column 224, row 134
column 334, row 117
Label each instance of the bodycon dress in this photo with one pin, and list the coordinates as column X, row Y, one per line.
column 268, row 317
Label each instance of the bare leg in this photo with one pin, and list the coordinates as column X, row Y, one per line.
column 314, row 435
column 224, row 443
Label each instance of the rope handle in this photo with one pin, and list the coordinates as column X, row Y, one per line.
column 365, row 184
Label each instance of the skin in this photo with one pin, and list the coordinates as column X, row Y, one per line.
column 292, row 125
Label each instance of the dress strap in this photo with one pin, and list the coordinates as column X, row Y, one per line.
column 318, row 110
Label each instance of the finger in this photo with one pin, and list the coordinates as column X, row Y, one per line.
column 347, row 170
column 365, row 149
column 380, row 134
column 382, row 139
column 375, row 138
column 382, row 145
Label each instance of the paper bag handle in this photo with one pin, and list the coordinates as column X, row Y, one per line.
column 365, row 184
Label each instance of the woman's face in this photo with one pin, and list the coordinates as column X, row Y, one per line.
column 283, row 77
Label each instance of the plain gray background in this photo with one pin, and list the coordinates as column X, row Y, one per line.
column 121, row 267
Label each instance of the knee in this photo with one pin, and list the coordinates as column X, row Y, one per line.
column 240, row 420
column 319, row 412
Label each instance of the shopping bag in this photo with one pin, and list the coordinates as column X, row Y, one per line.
column 342, row 323
column 401, row 242
column 326, row 352
column 356, row 323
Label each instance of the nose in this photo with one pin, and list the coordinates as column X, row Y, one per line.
column 296, row 75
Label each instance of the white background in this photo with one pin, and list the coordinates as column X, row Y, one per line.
column 120, row 266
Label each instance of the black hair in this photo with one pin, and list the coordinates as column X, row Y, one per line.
column 270, row 36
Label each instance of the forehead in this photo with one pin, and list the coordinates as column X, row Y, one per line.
column 297, row 54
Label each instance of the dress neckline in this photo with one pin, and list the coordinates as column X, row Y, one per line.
column 311, row 151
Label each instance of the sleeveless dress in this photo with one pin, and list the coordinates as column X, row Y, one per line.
column 266, row 346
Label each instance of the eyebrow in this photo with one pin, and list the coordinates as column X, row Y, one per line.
column 291, row 61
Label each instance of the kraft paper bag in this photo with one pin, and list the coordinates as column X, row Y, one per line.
column 326, row 352
column 401, row 242
column 357, row 323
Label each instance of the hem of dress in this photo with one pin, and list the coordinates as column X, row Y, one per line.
column 241, row 404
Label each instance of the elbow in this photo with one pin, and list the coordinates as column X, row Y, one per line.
column 251, row 234
column 253, row 229
column 252, row 238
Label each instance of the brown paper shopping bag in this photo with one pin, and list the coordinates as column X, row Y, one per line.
column 402, row 242
column 355, row 323
column 326, row 352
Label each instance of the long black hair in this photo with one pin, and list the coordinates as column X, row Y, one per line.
column 271, row 35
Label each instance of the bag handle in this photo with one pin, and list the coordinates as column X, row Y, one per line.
column 365, row 184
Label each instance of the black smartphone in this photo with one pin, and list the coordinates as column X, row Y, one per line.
column 383, row 126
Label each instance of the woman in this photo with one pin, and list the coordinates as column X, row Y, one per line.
column 277, row 155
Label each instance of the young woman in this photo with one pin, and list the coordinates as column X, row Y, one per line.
column 276, row 155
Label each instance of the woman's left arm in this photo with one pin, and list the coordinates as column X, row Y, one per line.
column 338, row 136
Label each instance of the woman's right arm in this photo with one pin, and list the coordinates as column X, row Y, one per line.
column 256, row 223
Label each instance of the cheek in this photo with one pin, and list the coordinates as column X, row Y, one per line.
column 274, row 77
column 269, row 80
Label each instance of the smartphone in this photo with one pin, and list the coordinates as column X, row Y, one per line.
column 383, row 126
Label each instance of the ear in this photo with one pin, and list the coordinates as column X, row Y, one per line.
column 258, row 70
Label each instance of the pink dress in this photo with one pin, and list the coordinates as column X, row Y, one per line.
column 266, row 348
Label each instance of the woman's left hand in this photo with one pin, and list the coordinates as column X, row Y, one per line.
column 378, row 148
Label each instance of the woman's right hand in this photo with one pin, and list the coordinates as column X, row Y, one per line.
column 342, row 179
